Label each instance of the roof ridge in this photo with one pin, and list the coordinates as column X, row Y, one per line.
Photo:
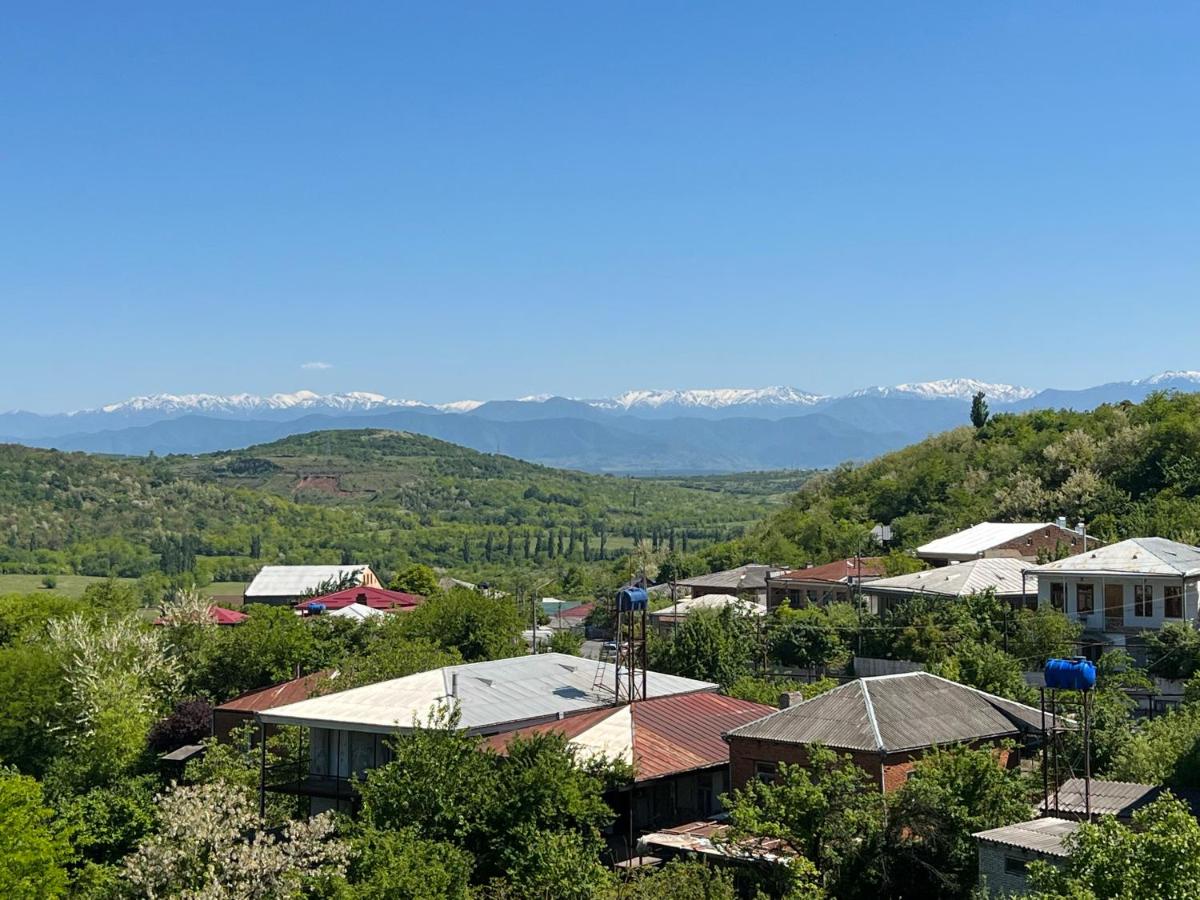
column 870, row 707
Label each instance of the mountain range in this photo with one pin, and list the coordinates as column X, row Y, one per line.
column 642, row 431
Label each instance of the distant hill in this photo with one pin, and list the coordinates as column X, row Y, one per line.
column 637, row 432
column 1126, row 470
column 365, row 495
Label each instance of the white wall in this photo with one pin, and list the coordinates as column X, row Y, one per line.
column 1096, row 621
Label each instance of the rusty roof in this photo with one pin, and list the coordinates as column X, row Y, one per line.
column 894, row 713
column 839, row 572
column 276, row 694
column 664, row 735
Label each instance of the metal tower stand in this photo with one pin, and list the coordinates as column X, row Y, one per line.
column 1054, row 753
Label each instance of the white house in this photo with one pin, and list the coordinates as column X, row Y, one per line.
column 1124, row 588
column 1006, row 576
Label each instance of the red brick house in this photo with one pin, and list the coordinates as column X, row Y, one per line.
column 885, row 724
column 1020, row 540
column 834, row 582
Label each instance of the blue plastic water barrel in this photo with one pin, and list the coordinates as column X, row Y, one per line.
column 632, row 598
column 315, row 608
column 1075, row 674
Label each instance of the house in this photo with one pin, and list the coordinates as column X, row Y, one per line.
column 1022, row 540
column 286, row 584
column 885, row 723
column 1120, row 799
column 345, row 732
column 241, row 709
column 572, row 619
column 220, row 616
column 834, row 582
column 1006, row 852
column 364, row 595
column 669, row 616
column 674, row 743
column 1004, row 575
column 742, row 581
column 1118, row 591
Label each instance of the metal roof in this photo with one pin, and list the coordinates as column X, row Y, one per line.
column 1112, row 798
column 978, row 538
column 292, row 581
column 376, row 598
column 710, row 601
column 492, row 696
column 356, row 612
column 277, row 694
column 751, row 577
column 894, row 713
column 1001, row 574
column 840, row 572
column 1136, row 556
column 660, row 737
column 1037, row 835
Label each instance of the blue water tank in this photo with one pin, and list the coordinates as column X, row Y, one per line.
column 1075, row 674
column 632, row 598
column 315, row 608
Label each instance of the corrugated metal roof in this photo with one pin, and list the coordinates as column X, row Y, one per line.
column 1001, row 574
column 357, row 612
column 292, row 581
column 277, row 694
column 1136, row 556
column 1112, row 798
column 751, row 577
column 1037, row 835
column 840, row 572
column 377, row 598
column 661, row 736
column 978, row 538
column 710, row 601
column 894, row 713
column 494, row 695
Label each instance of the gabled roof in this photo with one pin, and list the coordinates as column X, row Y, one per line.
column 492, row 696
column 292, row 581
column 751, row 577
column 1037, row 835
column 894, row 713
column 659, row 737
column 376, row 598
column 220, row 615
column 689, row 605
column 840, row 572
column 1111, row 798
column 978, row 538
column 276, row 694
column 1136, row 556
column 1001, row 574
column 357, row 612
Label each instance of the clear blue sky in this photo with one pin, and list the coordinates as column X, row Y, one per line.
column 493, row 199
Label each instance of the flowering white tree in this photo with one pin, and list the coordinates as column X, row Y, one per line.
column 212, row 845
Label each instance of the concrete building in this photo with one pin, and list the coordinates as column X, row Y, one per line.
column 885, row 723
column 1120, row 590
column 284, row 585
column 1021, row 540
column 1004, row 575
column 1005, row 853
column 835, row 582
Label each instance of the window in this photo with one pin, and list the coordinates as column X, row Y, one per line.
column 1014, row 866
column 765, row 771
column 1058, row 593
column 1173, row 601
column 1143, row 600
column 1085, row 598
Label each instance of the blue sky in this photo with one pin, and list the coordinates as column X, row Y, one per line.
column 488, row 200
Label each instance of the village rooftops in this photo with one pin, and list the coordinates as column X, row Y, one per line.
column 374, row 597
column 999, row 539
column 494, row 696
column 659, row 737
column 1000, row 574
column 293, row 581
column 687, row 606
column 843, row 571
column 1110, row 798
column 1148, row 556
column 744, row 578
column 895, row 713
column 1037, row 835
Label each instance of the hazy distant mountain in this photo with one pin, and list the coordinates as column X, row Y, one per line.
column 643, row 430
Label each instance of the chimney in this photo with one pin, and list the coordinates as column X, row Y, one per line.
column 361, row 598
column 789, row 699
column 1061, row 522
column 454, row 684
column 1080, row 528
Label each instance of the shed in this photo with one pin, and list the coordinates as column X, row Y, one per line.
column 287, row 584
column 1005, row 852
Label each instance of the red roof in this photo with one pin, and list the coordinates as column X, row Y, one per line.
column 838, row 572
column 671, row 735
column 276, row 694
column 577, row 612
column 220, row 615
column 376, row 598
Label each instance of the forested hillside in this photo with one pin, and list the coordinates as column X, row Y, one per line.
column 1126, row 470
column 384, row 498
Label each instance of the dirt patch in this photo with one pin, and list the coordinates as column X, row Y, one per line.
column 321, row 484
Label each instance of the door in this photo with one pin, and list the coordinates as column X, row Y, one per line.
column 1114, row 604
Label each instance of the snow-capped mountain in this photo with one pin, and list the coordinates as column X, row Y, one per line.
column 715, row 398
column 251, row 403
column 951, row 389
column 1166, row 377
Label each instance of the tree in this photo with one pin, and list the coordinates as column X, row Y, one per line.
column 566, row 642
column 950, row 795
column 1041, row 635
column 1173, row 651
column 265, row 649
column 710, row 645
column 1159, row 856
column 34, row 851
column 401, row 863
column 979, row 410
column 416, row 579
column 472, row 624
column 827, row 812
column 212, row 843
column 32, row 695
column 805, row 638
column 189, row 723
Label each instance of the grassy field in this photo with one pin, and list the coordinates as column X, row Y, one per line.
column 74, row 585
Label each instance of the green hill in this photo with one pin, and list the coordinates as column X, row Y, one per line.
column 386, row 498
column 1126, row 470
